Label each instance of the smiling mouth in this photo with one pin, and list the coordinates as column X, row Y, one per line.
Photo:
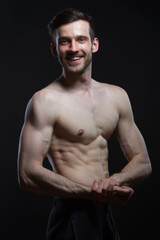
column 75, row 58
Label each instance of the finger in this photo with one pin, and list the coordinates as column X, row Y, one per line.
column 129, row 188
column 95, row 185
column 100, row 190
column 105, row 185
column 108, row 190
column 100, row 186
column 109, row 185
column 94, row 190
column 123, row 191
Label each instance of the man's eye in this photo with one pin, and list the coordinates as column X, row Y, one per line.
column 63, row 41
column 81, row 39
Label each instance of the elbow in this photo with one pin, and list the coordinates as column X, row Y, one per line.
column 24, row 181
column 148, row 169
column 27, row 179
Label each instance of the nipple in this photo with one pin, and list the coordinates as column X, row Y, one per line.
column 80, row 132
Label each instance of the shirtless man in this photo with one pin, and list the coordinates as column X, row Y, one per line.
column 71, row 121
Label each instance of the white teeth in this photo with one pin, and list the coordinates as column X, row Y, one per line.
column 74, row 58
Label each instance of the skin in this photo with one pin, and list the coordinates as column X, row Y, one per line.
column 71, row 121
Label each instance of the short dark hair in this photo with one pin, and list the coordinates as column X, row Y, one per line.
column 70, row 15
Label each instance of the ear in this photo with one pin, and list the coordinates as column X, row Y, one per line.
column 53, row 49
column 95, row 45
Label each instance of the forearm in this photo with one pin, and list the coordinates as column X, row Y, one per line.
column 137, row 170
column 46, row 182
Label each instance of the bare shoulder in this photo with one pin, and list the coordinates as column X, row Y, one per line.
column 117, row 96
column 113, row 91
column 43, row 103
column 46, row 96
column 121, row 99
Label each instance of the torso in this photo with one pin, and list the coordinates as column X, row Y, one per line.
column 85, row 122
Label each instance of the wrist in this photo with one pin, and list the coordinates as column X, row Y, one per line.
column 122, row 179
column 118, row 179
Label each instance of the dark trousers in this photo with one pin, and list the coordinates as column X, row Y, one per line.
column 77, row 219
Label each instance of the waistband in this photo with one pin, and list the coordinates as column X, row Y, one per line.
column 81, row 204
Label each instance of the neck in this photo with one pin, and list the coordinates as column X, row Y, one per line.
column 78, row 81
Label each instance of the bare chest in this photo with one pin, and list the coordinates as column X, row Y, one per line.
column 84, row 118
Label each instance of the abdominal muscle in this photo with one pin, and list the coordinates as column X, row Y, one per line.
column 79, row 162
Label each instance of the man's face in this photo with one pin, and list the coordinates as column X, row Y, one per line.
column 74, row 47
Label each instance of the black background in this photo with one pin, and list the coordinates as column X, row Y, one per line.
column 128, row 56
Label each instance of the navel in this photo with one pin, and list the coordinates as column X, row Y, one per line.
column 80, row 132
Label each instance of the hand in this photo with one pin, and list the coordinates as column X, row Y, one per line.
column 107, row 190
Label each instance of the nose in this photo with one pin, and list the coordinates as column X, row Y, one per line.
column 73, row 46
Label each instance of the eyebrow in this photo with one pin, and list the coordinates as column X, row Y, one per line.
column 78, row 36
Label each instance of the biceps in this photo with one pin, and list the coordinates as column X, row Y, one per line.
column 34, row 144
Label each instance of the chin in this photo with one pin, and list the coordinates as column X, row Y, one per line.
column 75, row 70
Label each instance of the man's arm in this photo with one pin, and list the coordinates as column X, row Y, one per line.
column 114, row 189
column 33, row 148
column 133, row 147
